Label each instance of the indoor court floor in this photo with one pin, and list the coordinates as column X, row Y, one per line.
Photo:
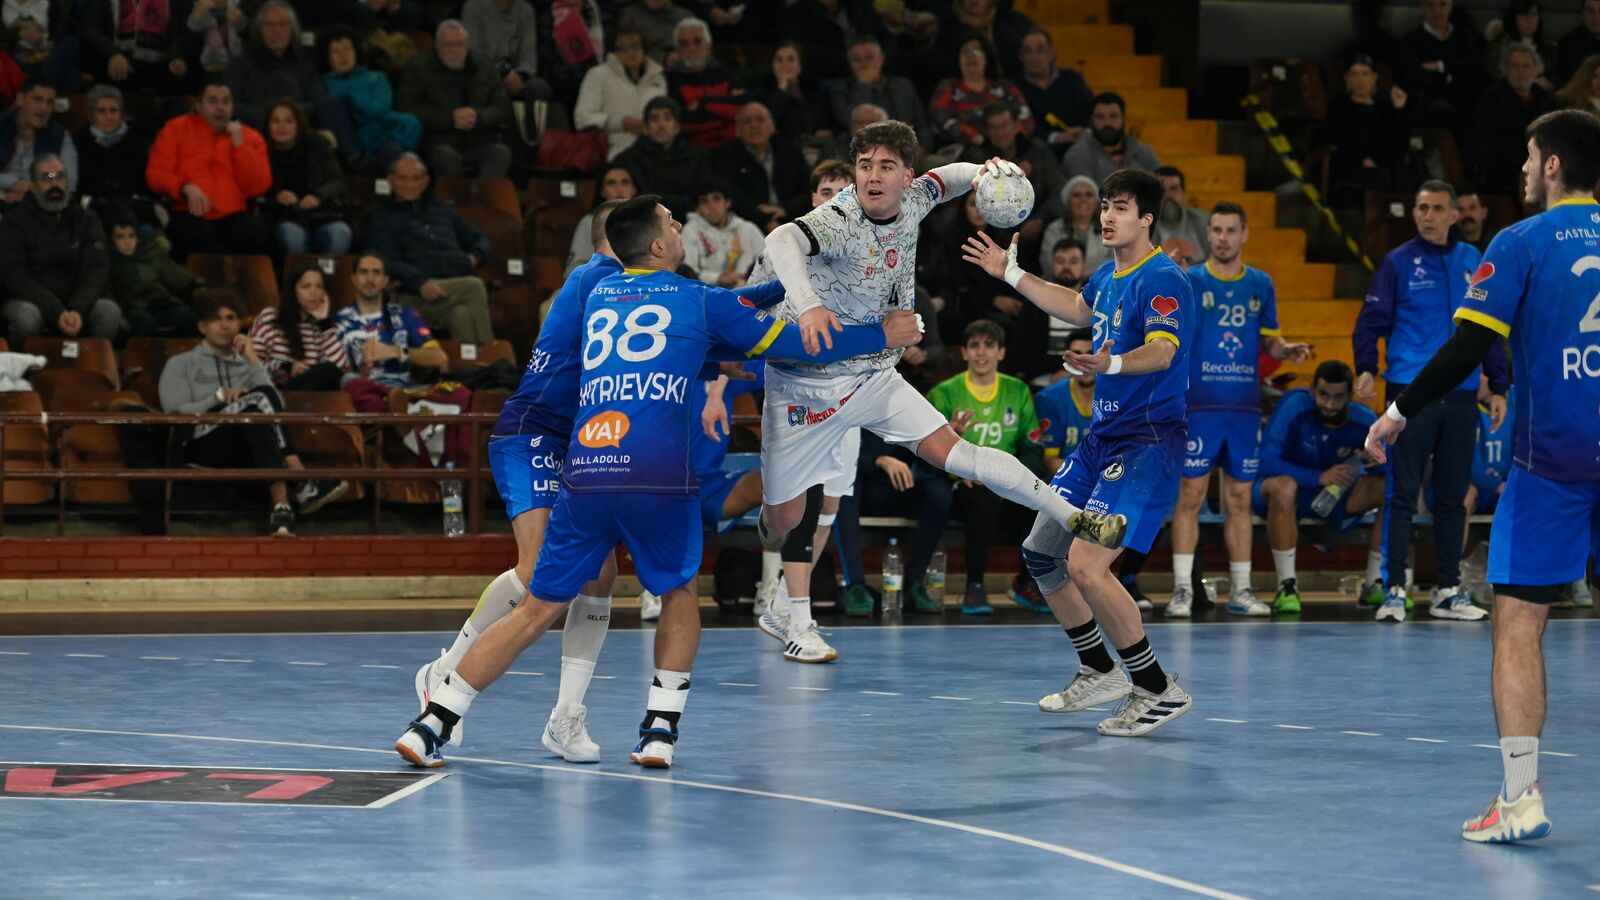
column 1321, row 759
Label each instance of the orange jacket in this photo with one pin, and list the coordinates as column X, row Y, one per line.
column 187, row 151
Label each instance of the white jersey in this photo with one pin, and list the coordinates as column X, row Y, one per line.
column 861, row 269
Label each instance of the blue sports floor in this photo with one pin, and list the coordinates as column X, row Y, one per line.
column 1321, row 760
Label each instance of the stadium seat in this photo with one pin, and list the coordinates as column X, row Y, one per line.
column 506, row 263
column 489, row 401
column 514, row 313
column 1065, row 12
column 144, row 358
column 493, row 193
column 1441, row 153
column 337, row 272
column 361, row 194
column 1121, row 70
column 1211, row 173
column 554, row 207
column 1290, row 88
column 92, row 355
column 1073, row 42
column 466, row 356
column 26, row 447
column 72, row 111
column 92, row 446
column 1386, row 222
column 1171, row 136
column 327, row 445
column 252, row 276
column 1260, row 206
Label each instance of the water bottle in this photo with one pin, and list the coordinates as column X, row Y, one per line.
column 455, row 523
column 892, row 578
column 1329, row 498
column 936, row 577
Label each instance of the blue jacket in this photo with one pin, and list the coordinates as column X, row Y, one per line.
column 1411, row 304
column 424, row 239
column 1297, row 443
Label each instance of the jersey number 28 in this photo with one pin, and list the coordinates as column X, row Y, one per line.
column 600, row 343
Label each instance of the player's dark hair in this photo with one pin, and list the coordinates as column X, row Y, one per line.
column 831, row 170
column 1333, row 371
column 984, row 328
column 332, row 35
column 1229, row 208
column 290, row 312
column 1572, row 136
column 633, row 227
column 1048, row 40
column 1172, row 172
column 118, row 215
column 1437, row 186
column 1080, row 334
column 597, row 225
column 895, row 136
column 1137, row 185
column 1110, row 97
column 1069, row 244
column 217, row 80
column 210, row 302
column 666, row 103
column 35, row 81
column 995, row 109
column 371, row 254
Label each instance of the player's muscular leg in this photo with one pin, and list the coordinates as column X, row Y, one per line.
column 1089, row 566
column 528, row 529
column 1236, row 504
column 745, row 496
column 935, row 448
column 678, row 632
column 1283, row 505
column 1519, row 695
column 783, row 517
column 498, row 647
column 1068, row 606
column 1186, row 516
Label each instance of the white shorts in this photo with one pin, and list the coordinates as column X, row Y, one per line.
column 807, row 426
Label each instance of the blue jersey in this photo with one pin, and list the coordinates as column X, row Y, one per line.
column 1417, row 287
column 646, row 338
column 1539, row 285
column 1149, row 301
column 1064, row 415
column 547, row 398
column 1491, row 463
column 1298, row 444
column 1234, row 314
column 705, row 454
column 396, row 325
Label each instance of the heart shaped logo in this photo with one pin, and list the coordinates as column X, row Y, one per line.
column 1166, row 306
column 1484, row 273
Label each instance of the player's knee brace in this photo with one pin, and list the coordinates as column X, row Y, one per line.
column 1048, row 572
column 1044, row 553
column 797, row 547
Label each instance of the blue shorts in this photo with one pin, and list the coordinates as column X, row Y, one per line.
column 1543, row 530
column 661, row 531
column 1225, row 439
column 714, row 490
column 1339, row 517
column 527, row 470
column 1138, row 480
column 1486, row 503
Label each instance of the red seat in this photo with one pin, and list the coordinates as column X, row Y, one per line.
column 92, row 355
column 26, row 447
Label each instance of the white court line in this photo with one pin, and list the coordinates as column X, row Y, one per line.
column 15, row 653
column 375, row 666
column 1058, row 849
column 221, row 659
column 736, row 684
column 604, row 677
column 1488, row 746
column 167, row 658
column 1364, row 733
column 1296, row 727
column 1014, row 702
column 815, row 689
column 1428, row 740
column 293, row 663
column 1229, row 721
column 880, row 693
column 509, row 672
column 1555, row 753
column 87, row 655
column 407, row 791
column 942, row 697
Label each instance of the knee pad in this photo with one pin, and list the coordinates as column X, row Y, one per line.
column 1048, row 572
column 1044, row 553
column 797, row 546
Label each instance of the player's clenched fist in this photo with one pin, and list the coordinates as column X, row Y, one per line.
column 902, row 328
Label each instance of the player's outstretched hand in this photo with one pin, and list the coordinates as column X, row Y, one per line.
column 815, row 325
column 736, row 371
column 1297, row 352
column 902, row 328
column 713, row 415
column 983, row 252
column 1383, row 432
column 998, row 165
column 1497, row 411
column 1096, row 362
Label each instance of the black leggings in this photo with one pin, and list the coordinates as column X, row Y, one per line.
column 242, row 446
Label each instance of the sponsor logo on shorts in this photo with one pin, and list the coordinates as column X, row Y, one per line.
column 1113, row 471
column 805, row 415
column 1196, row 445
column 604, row 430
column 1164, row 306
column 534, row 442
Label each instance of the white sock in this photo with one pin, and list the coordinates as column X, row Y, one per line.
column 1182, row 568
column 799, row 614
column 497, row 600
column 1239, row 575
column 1283, row 561
column 1521, row 758
column 669, row 693
column 1007, row 476
column 581, row 639
column 771, row 566
column 1374, row 566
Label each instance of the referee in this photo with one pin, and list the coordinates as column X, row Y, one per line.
column 1410, row 305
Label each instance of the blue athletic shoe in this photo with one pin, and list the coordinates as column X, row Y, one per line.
column 420, row 746
column 976, row 602
column 1026, row 594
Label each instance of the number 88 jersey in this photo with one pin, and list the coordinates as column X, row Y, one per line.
column 1539, row 285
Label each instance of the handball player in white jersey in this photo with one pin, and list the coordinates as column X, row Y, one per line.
column 853, row 260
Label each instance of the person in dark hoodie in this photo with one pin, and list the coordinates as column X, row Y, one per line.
column 462, row 104
column 53, row 263
column 113, row 156
column 273, row 68
column 152, row 290
column 664, row 161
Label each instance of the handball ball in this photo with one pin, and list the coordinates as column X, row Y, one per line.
column 1004, row 201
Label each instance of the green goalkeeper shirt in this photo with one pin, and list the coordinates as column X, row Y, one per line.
column 1002, row 413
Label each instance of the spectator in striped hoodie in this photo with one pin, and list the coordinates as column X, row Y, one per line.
column 310, row 357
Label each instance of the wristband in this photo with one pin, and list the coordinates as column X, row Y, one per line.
column 220, row 396
column 1116, row 364
column 1014, row 272
column 1393, row 414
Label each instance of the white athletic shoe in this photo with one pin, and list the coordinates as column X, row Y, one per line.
column 1088, row 688
column 420, row 749
column 1143, row 712
column 1454, row 603
column 1181, row 606
column 1244, row 602
column 1394, row 606
column 649, row 607
column 775, row 622
column 1507, row 821
column 808, row 647
column 427, row 681
column 566, row 737
column 654, row 751
column 765, row 594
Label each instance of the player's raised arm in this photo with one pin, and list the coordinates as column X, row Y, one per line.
column 1060, row 301
column 787, row 247
column 732, row 323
